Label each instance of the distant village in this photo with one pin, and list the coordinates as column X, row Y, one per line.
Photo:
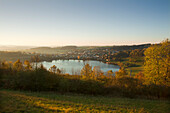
column 104, row 54
column 86, row 54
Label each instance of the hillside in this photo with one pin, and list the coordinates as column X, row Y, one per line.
column 14, row 48
column 15, row 101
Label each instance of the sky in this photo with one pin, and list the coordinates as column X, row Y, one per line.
column 83, row 22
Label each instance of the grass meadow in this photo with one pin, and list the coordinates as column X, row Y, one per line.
column 36, row 102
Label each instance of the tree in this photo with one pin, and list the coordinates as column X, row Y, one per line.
column 157, row 63
column 96, row 71
column 4, row 65
column 18, row 65
column 86, row 71
column 27, row 65
column 53, row 69
column 35, row 59
column 110, row 73
column 58, row 71
column 139, row 76
column 121, row 73
column 135, row 54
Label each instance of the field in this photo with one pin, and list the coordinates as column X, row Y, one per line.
column 15, row 101
column 139, row 65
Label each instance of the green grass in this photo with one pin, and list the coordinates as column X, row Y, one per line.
column 134, row 69
column 139, row 67
column 15, row 101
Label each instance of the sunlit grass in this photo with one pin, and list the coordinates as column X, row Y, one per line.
column 15, row 101
column 134, row 69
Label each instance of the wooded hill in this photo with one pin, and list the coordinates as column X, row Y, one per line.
column 65, row 49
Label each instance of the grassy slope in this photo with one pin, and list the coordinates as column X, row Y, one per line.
column 134, row 69
column 138, row 68
column 15, row 101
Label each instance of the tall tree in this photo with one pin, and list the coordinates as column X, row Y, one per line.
column 96, row 71
column 157, row 63
column 87, row 71
column 27, row 65
column 121, row 73
column 35, row 59
column 18, row 65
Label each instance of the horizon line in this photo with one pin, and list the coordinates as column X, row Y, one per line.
column 52, row 46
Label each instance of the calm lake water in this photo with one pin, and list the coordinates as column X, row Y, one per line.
column 75, row 66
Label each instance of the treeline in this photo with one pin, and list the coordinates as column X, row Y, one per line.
column 42, row 80
column 132, row 54
column 66, row 49
column 153, row 82
column 13, row 56
column 126, row 47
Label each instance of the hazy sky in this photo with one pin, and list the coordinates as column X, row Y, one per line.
column 83, row 22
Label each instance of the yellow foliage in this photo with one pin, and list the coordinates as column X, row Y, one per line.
column 157, row 63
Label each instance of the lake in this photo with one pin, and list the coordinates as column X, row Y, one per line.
column 75, row 66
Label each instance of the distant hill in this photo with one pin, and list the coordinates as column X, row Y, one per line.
column 51, row 50
column 131, row 47
column 64, row 49
column 69, row 47
column 14, row 48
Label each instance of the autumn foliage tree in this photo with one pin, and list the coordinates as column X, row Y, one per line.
column 27, row 65
column 53, row 69
column 87, row 71
column 96, row 71
column 157, row 63
column 121, row 73
column 18, row 65
column 135, row 54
